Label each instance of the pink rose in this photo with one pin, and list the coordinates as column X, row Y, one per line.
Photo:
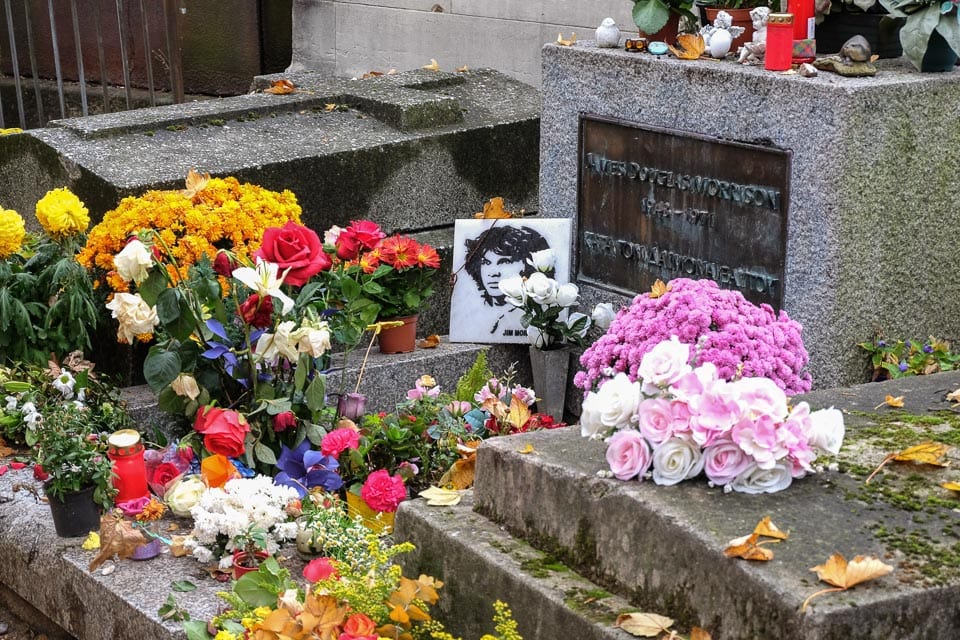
column 724, row 461
column 761, row 396
column 319, row 569
column 628, row 455
column 338, row 440
column 655, row 419
column 295, row 249
column 663, row 365
column 383, row 492
column 223, row 430
column 367, row 233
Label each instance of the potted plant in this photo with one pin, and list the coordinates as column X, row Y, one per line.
column 930, row 35
column 660, row 19
column 250, row 549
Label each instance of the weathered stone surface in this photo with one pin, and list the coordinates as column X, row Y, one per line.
column 662, row 547
column 872, row 179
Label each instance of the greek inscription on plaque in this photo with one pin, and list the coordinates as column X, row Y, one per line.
column 664, row 204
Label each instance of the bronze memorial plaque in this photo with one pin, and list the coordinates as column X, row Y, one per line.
column 661, row 204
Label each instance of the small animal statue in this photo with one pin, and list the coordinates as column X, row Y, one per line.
column 752, row 52
column 608, row 35
column 718, row 37
column 856, row 49
column 852, row 61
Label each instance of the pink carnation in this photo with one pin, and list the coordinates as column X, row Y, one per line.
column 338, row 440
column 383, row 492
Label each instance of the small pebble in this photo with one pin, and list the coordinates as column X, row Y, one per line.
column 4, row 627
column 807, row 70
column 108, row 568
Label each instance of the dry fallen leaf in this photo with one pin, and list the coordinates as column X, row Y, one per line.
column 117, row 536
column 644, row 625
column 566, row 43
column 463, row 69
column 281, row 87
column 195, row 183
column 461, row 473
column 4, row 449
column 691, row 46
column 439, row 497
column 330, row 106
column 430, row 342
column 890, row 401
column 699, row 634
column 527, row 449
column 493, row 209
column 843, row 575
column 433, row 66
column 371, row 74
column 766, row 528
column 748, row 548
column 927, row 452
column 953, row 486
column 658, row 289
column 954, row 396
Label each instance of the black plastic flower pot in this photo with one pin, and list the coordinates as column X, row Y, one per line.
column 76, row 514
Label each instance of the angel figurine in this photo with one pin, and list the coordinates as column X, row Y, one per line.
column 719, row 36
column 752, row 52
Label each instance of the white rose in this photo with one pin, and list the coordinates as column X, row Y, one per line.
column 539, row 338
column 663, row 365
column 591, row 426
column 185, row 385
column 761, row 397
column 757, row 480
column 541, row 289
column 314, row 340
column 184, row 495
column 272, row 346
column 543, row 260
column 619, row 399
column 603, row 314
column 331, row 235
column 826, row 430
column 133, row 262
column 512, row 288
column 567, row 294
column 134, row 315
column 675, row 460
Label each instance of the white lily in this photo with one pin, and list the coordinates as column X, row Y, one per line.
column 263, row 279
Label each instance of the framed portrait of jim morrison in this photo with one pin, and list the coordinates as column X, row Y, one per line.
column 486, row 251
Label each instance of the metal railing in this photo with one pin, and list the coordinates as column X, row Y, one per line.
column 57, row 39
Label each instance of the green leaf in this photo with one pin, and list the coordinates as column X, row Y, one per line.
column 349, row 288
column 173, row 310
column 650, row 15
column 151, row 288
column 160, row 368
column 251, row 588
column 314, row 432
column 316, row 393
column 183, row 586
column 196, row 630
column 170, row 402
column 265, row 453
column 300, row 373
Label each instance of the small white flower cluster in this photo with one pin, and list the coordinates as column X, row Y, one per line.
column 233, row 509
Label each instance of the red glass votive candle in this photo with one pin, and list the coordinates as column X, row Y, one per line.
column 779, row 53
column 130, row 474
column 804, row 20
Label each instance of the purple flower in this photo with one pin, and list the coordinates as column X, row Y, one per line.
column 903, row 365
column 303, row 468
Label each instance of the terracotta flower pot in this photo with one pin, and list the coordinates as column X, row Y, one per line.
column 241, row 559
column 376, row 521
column 401, row 339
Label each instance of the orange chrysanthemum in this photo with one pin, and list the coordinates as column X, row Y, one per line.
column 400, row 252
column 428, row 257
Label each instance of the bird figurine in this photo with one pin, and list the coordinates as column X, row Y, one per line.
column 608, row 35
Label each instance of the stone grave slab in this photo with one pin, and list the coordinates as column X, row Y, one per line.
column 662, row 547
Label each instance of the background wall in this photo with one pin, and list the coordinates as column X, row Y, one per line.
column 351, row 37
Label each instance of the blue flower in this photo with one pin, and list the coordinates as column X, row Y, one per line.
column 903, row 365
column 881, row 343
column 302, row 468
column 927, row 348
column 907, row 344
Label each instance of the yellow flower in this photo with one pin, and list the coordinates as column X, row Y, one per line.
column 223, row 634
column 11, row 232
column 62, row 214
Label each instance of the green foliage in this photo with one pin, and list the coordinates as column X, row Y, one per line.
column 474, row 379
column 902, row 358
column 922, row 18
column 260, row 588
column 652, row 15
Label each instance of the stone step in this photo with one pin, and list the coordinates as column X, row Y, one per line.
column 479, row 562
column 662, row 547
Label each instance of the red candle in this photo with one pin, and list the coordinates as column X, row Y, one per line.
column 804, row 20
column 779, row 42
column 130, row 474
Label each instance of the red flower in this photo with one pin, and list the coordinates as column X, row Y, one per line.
column 163, row 475
column 400, row 252
column 369, row 261
column 359, row 627
column 365, row 232
column 347, row 246
column 223, row 430
column 492, row 425
column 283, row 421
column 428, row 257
column 296, row 249
column 335, row 442
column 383, row 492
column 16, row 466
column 39, row 473
column 224, row 265
column 319, row 569
column 4, row 468
column 256, row 311
column 541, row 421
column 185, row 454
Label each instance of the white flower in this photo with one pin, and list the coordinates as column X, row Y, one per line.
column 64, row 383
column 512, row 289
column 11, row 403
column 184, row 495
column 185, row 385
column 331, row 235
column 263, row 279
column 618, row 400
column 202, row 554
column 134, row 315
column 574, row 318
column 603, row 314
column 290, row 601
column 539, row 338
column 591, row 426
column 543, row 260
column 675, row 460
column 133, row 262
column 272, row 346
column 313, row 339
column 826, row 430
column 663, row 365
column 28, row 408
column 757, row 480
column 541, row 289
column 567, row 294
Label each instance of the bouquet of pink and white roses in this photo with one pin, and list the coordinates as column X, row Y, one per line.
column 682, row 420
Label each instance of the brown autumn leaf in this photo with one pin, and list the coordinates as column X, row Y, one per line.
column 658, row 289
column 954, row 396
column 844, row 575
column 322, row 616
column 463, row 69
column 371, row 74
column 178, row 549
column 195, row 183
column 430, row 342
column 493, row 209
column 461, row 473
column 699, row 634
column 4, row 449
column 644, row 625
column 927, row 452
column 433, row 66
column 281, row 87
column 748, row 548
column 766, row 528
column 566, row 43
column 329, row 106
column 691, row 46
column 117, row 536
column 891, row 401
column 953, row 486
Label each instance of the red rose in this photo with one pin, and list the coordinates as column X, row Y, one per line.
column 383, row 492
column 185, row 454
column 366, row 232
column 224, row 265
column 347, row 247
column 296, row 248
column 223, row 430
column 334, row 443
column 163, row 475
column 40, row 474
column 283, row 421
column 359, row 627
column 319, row 569
column 256, row 311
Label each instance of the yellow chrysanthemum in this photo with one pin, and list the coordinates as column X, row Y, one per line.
column 12, row 231
column 223, row 634
column 61, row 213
